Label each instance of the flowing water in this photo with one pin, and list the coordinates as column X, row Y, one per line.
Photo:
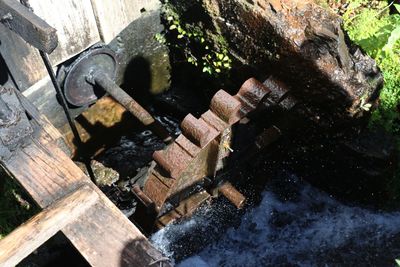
column 294, row 224
column 291, row 223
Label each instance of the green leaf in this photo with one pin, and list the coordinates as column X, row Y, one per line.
column 397, row 6
column 397, row 262
column 170, row 18
column 180, row 36
column 366, row 107
column 394, row 37
column 172, row 27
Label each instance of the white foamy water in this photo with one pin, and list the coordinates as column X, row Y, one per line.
column 308, row 228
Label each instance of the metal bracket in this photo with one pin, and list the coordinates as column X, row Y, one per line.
column 15, row 127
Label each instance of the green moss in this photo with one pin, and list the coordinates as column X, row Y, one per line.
column 14, row 209
column 378, row 33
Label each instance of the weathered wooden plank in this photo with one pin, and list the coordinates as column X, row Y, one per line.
column 33, row 233
column 76, row 30
column 37, row 117
column 114, row 15
column 103, row 235
column 47, row 173
column 23, row 60
column 75, row 24
column 30, row 27
column 42, row 122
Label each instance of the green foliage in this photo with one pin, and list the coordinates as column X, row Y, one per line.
column 14, row 209
column 198, row 49
column 378, row 33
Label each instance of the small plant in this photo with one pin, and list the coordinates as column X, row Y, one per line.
column 198, row 50
column 370, row 25
column 378, row 33
column 364, row 105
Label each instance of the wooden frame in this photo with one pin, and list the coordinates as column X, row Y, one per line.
column 98, row 229
column 33, row 233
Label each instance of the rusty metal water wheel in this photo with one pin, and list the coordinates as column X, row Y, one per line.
column 184, row 174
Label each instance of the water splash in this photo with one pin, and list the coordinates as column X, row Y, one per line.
column 293, row 225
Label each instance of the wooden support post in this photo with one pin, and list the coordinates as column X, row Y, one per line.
column 30, row 27
column 29, row 236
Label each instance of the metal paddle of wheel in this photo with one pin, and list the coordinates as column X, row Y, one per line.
column 199, row 163
column 92, row 75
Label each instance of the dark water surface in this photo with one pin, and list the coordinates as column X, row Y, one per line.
column 295, row 224
column 292, row 223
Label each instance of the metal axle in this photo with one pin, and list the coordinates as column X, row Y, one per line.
column 104, row 82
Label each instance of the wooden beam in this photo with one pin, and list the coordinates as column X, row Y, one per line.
column 42, row 122
column 26, row 24
column 106, row 238
column 103, row 235
column 76, row 30
column 112, row 16
column 32, row 234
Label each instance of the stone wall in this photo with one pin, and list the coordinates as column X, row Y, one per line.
column 301, row 43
